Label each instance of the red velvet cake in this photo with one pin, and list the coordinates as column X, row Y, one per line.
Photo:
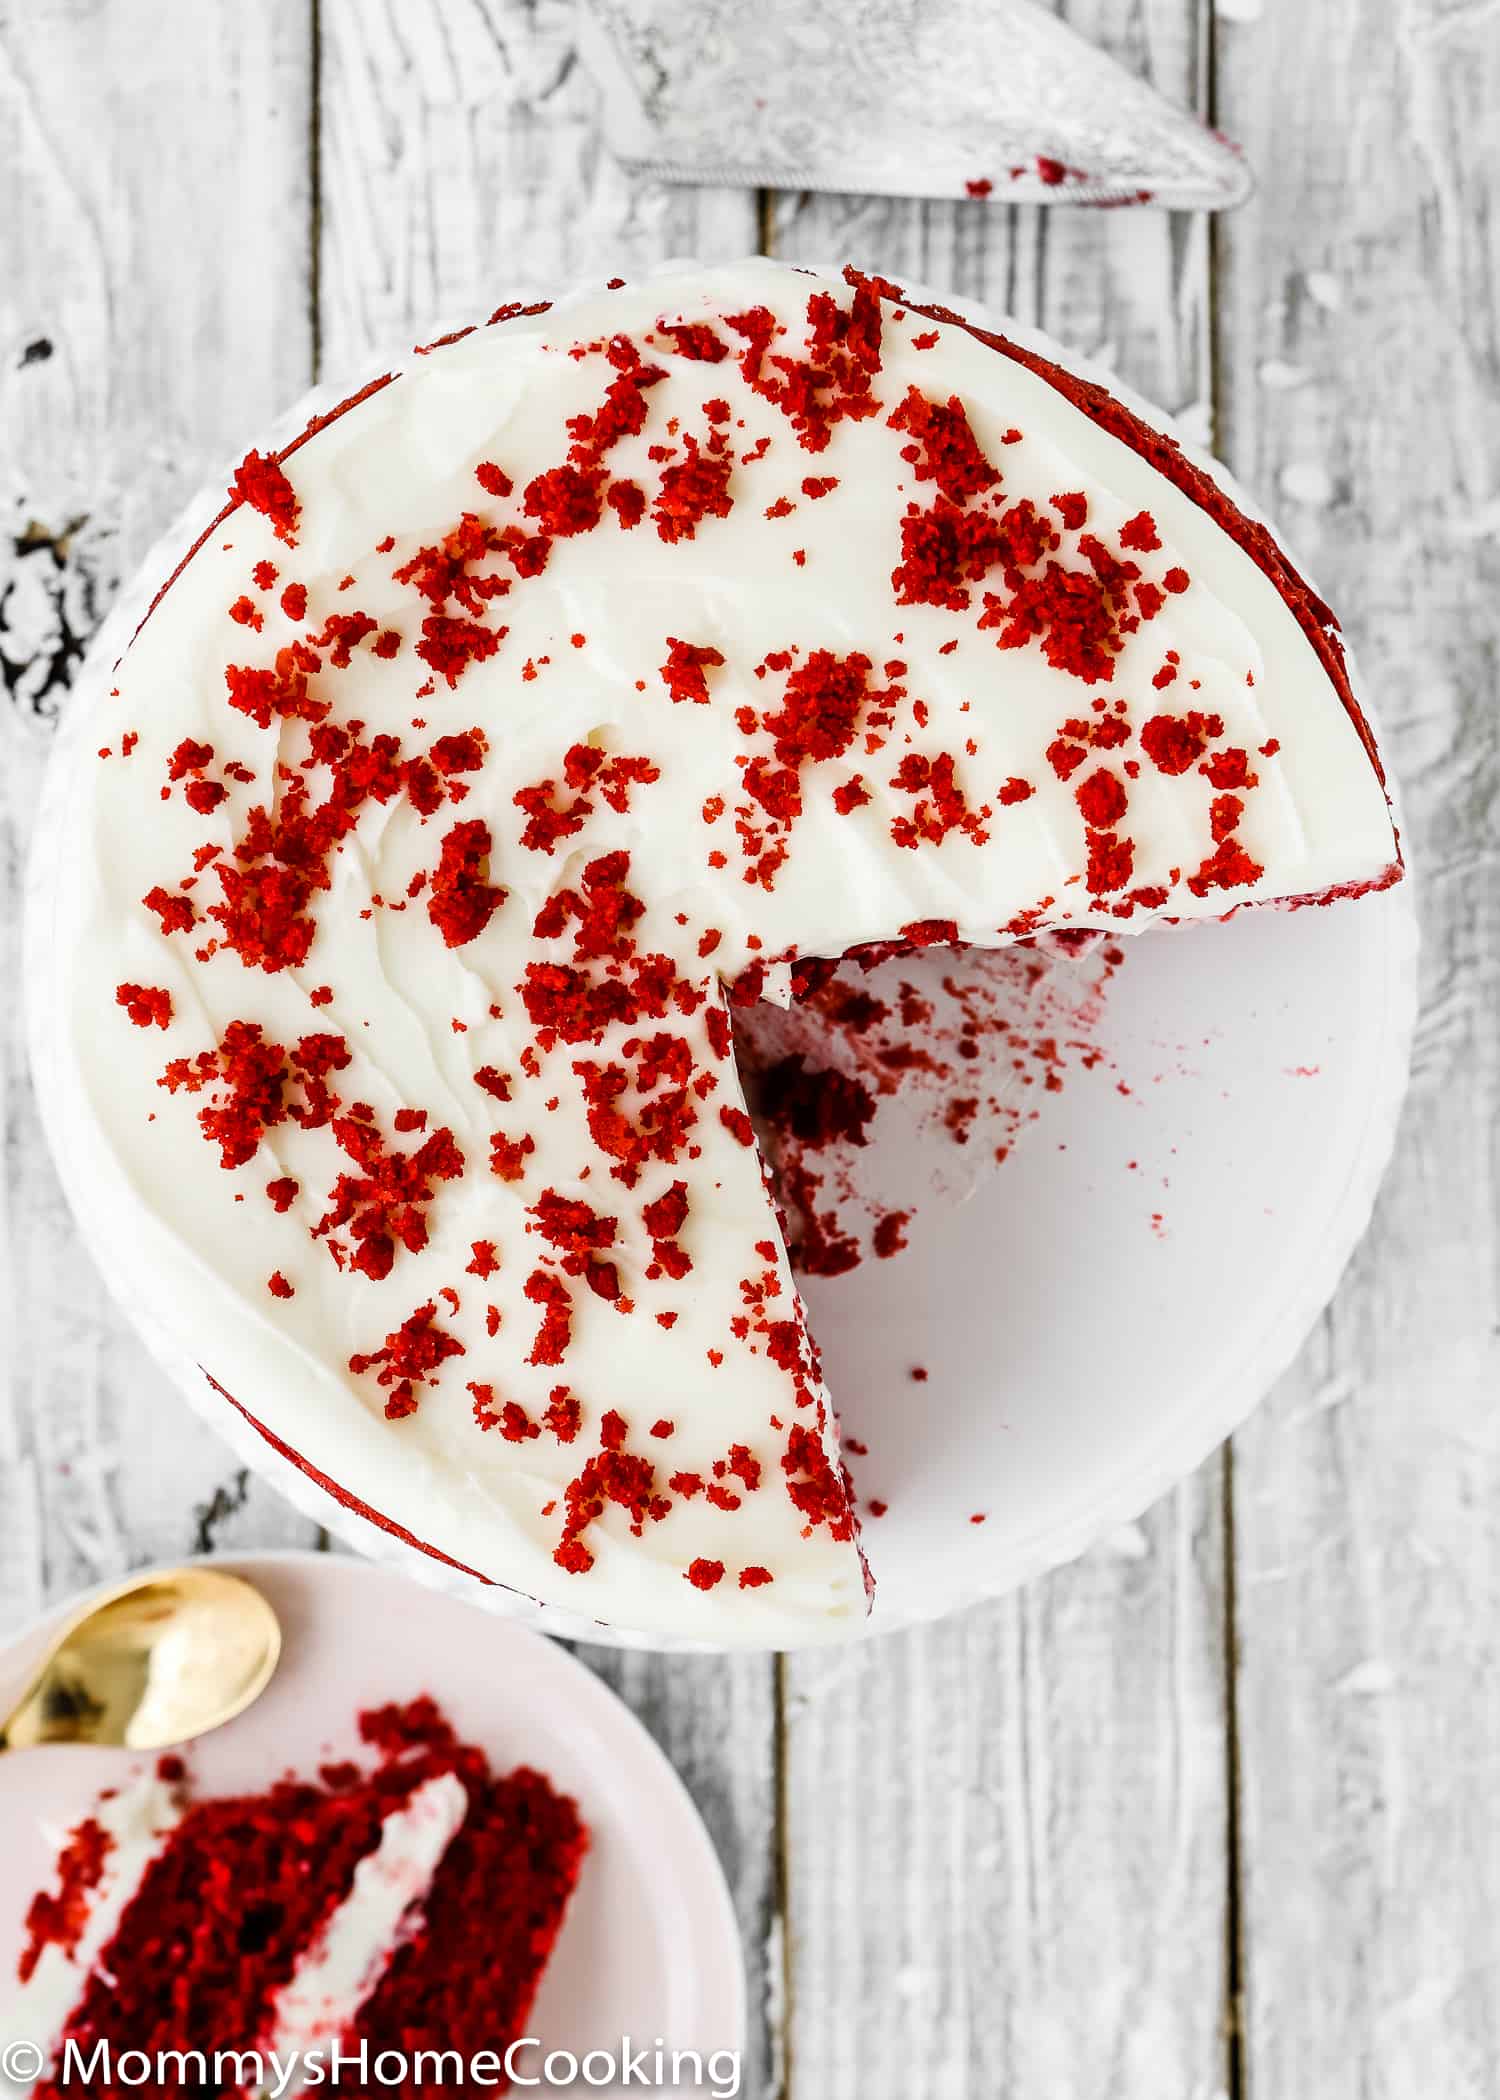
column 402, row 1906
column 607, row 668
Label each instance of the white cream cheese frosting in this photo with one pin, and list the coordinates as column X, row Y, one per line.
column 334, row 1977
column 733, row 616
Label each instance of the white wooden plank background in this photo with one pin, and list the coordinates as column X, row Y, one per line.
column 1367, row 1495
column 1066, row 1845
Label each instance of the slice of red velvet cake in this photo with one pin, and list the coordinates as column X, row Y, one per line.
column 408, row 1906
column 597, row 672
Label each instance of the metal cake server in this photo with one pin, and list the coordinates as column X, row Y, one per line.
column 161, row 1659
column 906, row 98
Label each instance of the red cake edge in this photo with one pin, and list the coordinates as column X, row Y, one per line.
column 342, row 1496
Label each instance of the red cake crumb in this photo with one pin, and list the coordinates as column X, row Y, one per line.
column 556, row 1330
column 411, row 1355
column 1101, row 798
column 1175, row 742
column 451, row 645
column 615, row 1475
column 260, row 482
column 1139, row 533
column 147, row 1005
column 1228, row 867
column 737, row 1123
column 508, row 1155
column 460, row 901
column 58, row 1918
column 683, row 673
column 253, row 1085
column 1076, row 616
column 1074, row 508
column 817, row 1489
column 692, row 489
column 945, row 449
column 890, row 1233
column 384, row 1204
column 695, row 339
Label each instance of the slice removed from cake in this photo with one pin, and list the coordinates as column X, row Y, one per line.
column 608, row 665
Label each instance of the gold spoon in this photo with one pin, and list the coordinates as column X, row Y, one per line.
column 161, row 1659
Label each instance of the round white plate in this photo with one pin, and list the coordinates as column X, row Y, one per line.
column 649, row 1946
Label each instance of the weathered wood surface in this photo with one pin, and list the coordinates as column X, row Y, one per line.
column 1360, row 306
column 997, row 1855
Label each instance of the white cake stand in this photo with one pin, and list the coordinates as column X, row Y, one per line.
column 1090, row 1329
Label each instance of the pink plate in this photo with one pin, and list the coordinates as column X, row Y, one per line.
column 649, row 1948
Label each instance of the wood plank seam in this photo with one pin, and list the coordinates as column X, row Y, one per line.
column 1236, row 2067
column 315, row 206
column 782, row 2070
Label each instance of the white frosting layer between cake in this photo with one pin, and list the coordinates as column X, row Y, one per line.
column 580, row 663
column 337, row 1974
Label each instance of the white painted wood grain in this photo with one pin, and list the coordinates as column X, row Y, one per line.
column 1362, row 387
column 154, row 203
column 460, row 158
column 1006, row 1842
